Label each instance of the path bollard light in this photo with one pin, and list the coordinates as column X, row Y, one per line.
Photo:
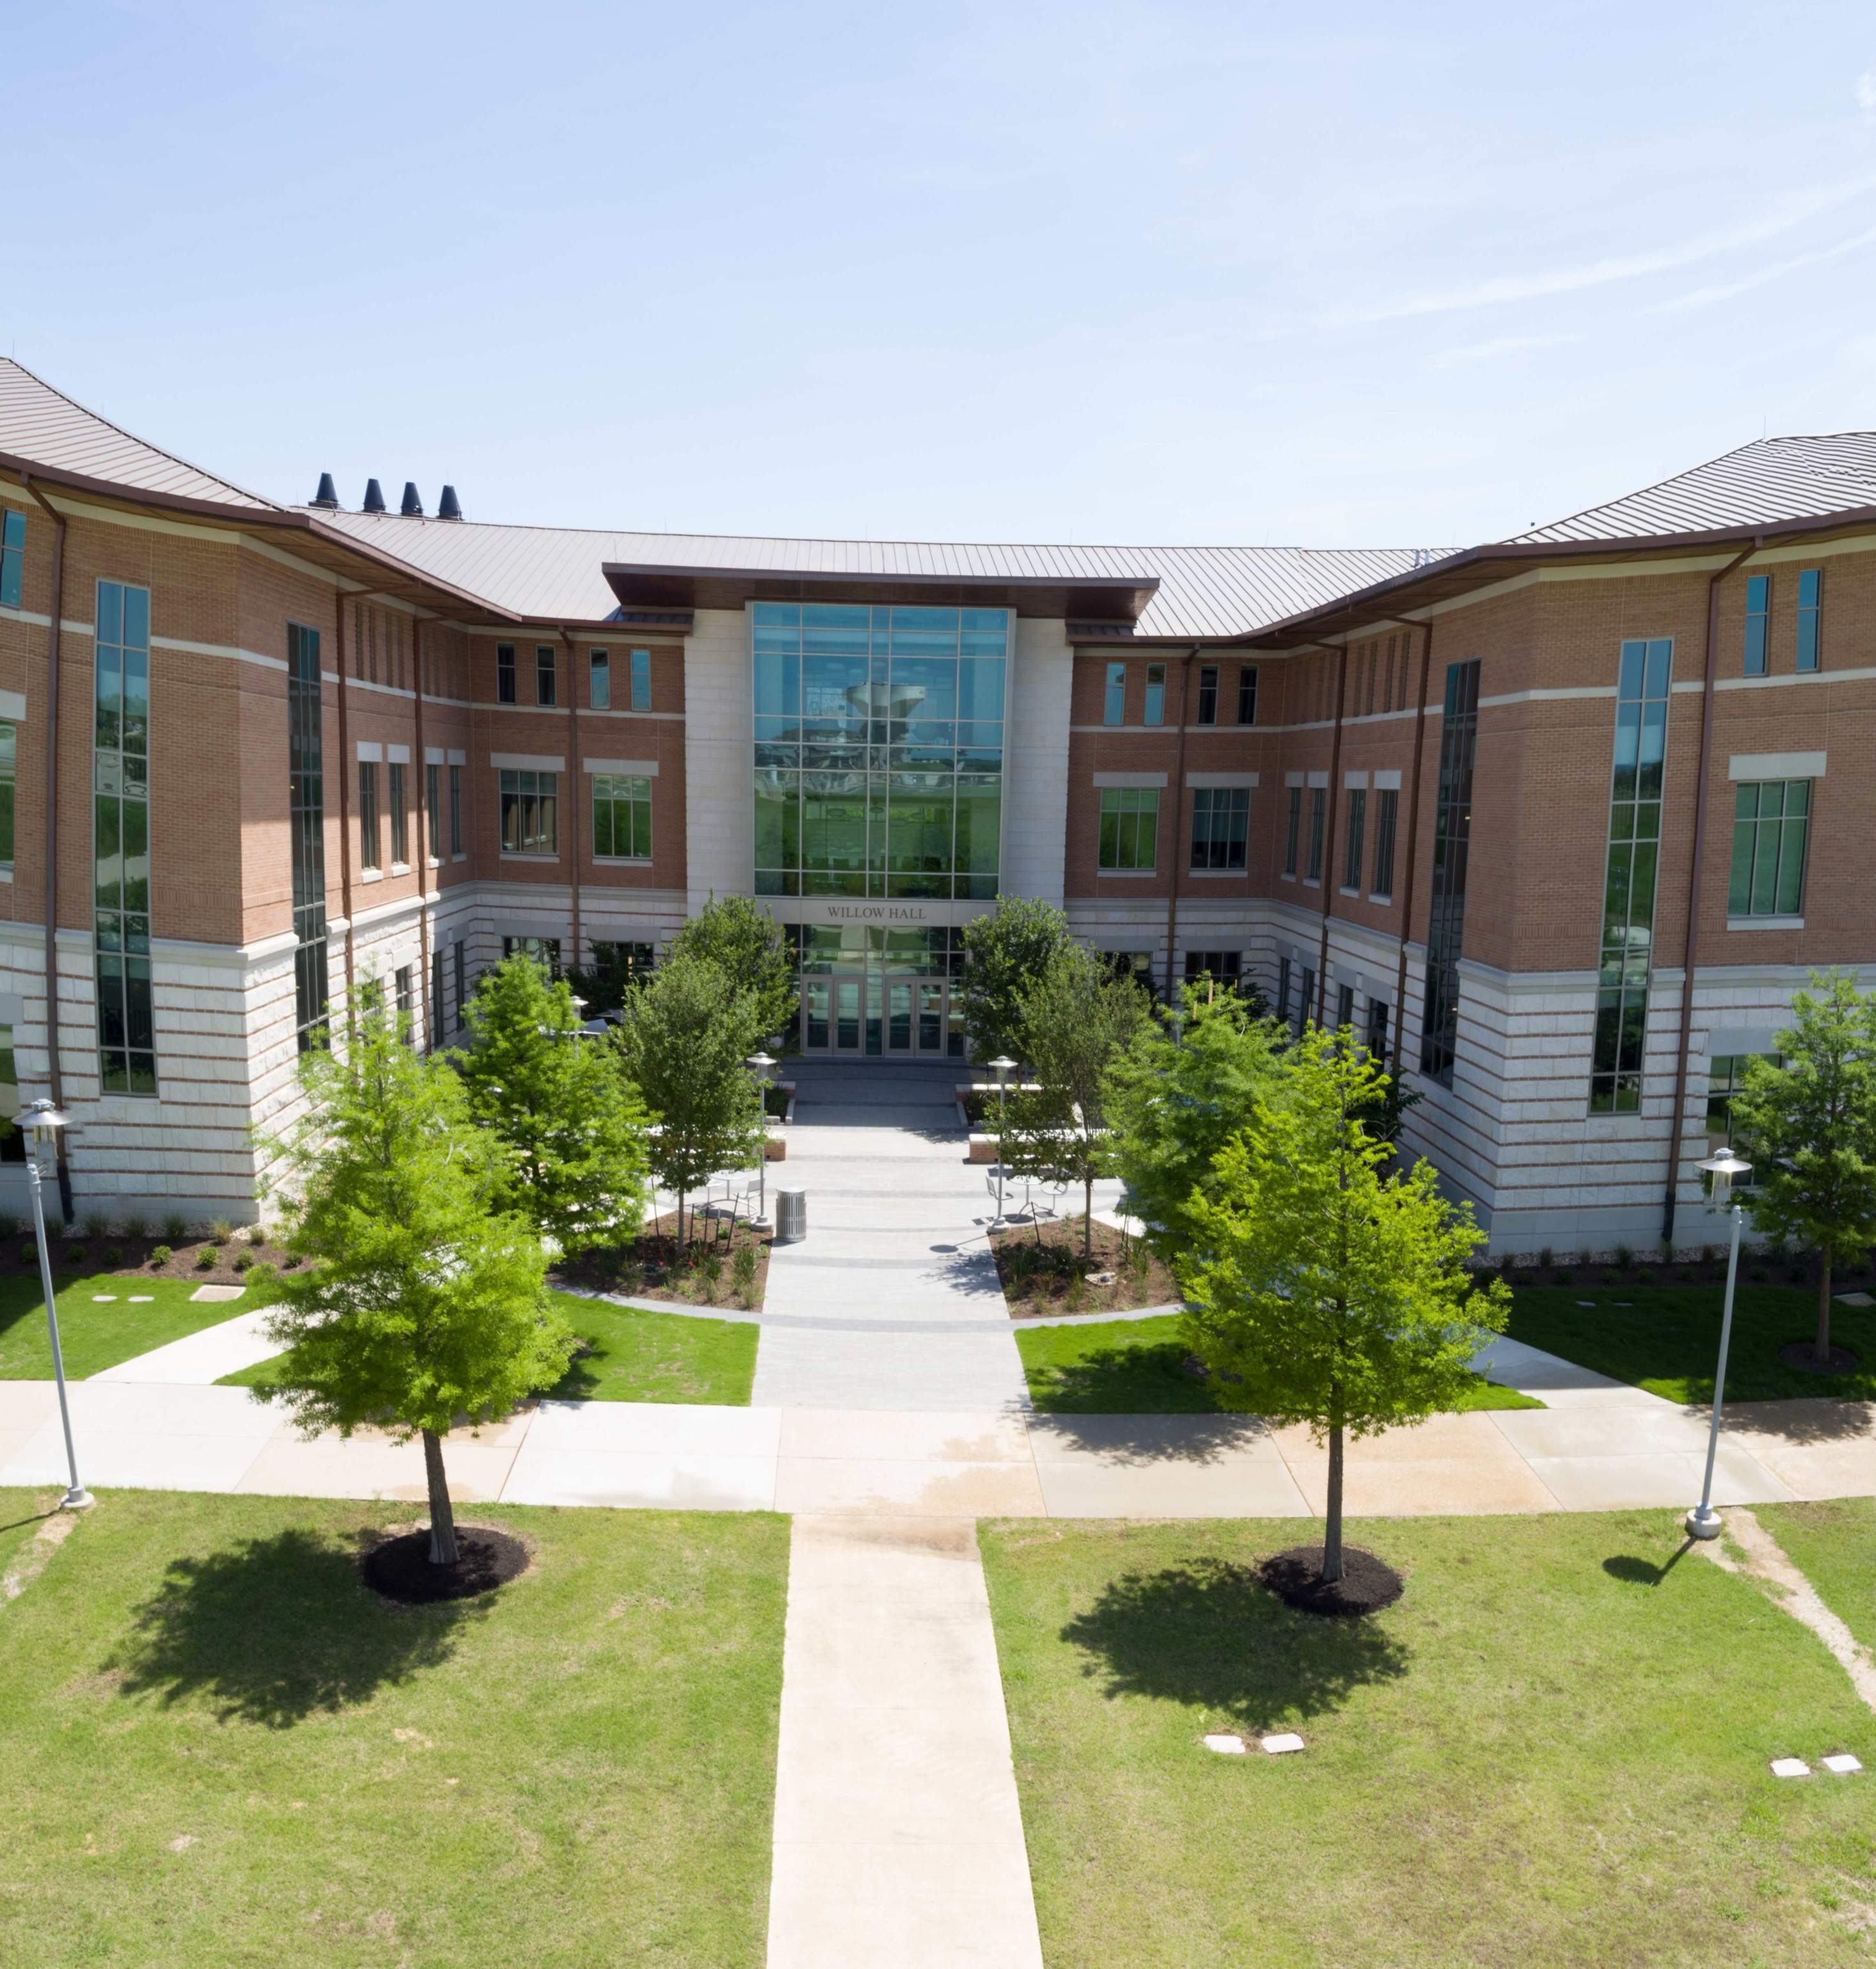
column 761, row 1064
column 1002, row 1066
column 39, row 1123
column 1703, row 1522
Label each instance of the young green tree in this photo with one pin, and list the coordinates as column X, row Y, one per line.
column 741, row 937
column 573, row 1126
column 1005, row 953
column 687, row 1033
column 1076, row 1018
column 1337, row 1295
column 425, row 1303
column 1174, row 1099
column 1808, row 1126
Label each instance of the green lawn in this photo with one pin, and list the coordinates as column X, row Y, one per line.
column 1666, row 1338
column 1135, row 1367
column 1552, row 1751
column 635, row 1356
column 94, row 1337
column 22, row 1514
column 219, row 1750
column 1833, row 1544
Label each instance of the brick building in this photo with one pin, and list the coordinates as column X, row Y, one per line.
column 1462, row 802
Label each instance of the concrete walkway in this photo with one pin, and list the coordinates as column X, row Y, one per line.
column 200, row 1359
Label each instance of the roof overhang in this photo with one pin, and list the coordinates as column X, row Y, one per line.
column 644, row 585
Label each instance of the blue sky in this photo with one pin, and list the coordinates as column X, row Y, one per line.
column 1366, row 275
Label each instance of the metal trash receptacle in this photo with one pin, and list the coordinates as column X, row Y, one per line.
column 791, row 1215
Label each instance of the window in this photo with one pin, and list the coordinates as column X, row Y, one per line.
column 1306, row 999
column 544, row 950
column 406, row 1001
column 1155, row 694
column 458, row 967
column 455, row 809
column 1758, row 608
column 1726, row 1076
column 400, row 819
column 1376, row 1038
column 642, row 679
column 543, row 673
column 1292, row 831
column 1386, row 809
column 505, row 672
column 1453, row 843
column 1810, row 594
column 306, row 807
column 13, row 1145
column 434, row 1013
column 1221, row 823
column 9, row 746
column 1345, row 1007
column 1223, row 967
column 1319, row 808
column 1285, row 971
column 1351, row 848
column 621, row 818
column 1629, row 883
column 12, row 557
column 626, row 963
column 432, row 815
column 1246, row 694
column 599, row 680
column 530, row 813
column 121, row 839
column 1771, row 822
column 1130, row 825
column 1136, row 964
column 1114, row 708
column 371, row 845
column 1208, row 693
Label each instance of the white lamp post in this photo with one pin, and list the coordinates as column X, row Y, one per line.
column 1703, row 1522
column 40, row 1124
column 1002, row 1066
column 760, row 1063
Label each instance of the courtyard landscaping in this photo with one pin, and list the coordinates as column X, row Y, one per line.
column 1833, row 1544
column 1553, row 1749
column 221, row 1749
column 105, row 1318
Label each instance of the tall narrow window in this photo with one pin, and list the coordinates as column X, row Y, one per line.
column 400, row 819
column 1810, row 595
column 1306, row 999
column 404, row 985
column 642, row 679
column 433, row 1013
column 459, row 967
column 543, row 673
column 1285, row 971
column 505, row 672
column 1387, row 813
column 621, row 818
column 371, row 844
column 599, row 680
column 1629, row 885
column 121, row 840
column 1208, row 693
column 9, row 746
column 1246, row 694
column 1319, row 810
column 455, row 809
column 1114, row 705
column 1221, row 824
column 1771, row 823
column 306, row 807
column 12, row 557
column 1292, row 831
column 1130, row 822
column 1452, row 840
column 1344, row 1006
column 1352, row 847
column 530, row 813
column 1758, row 610
column 1375, row 1039
column 432, row 812
column 1155, row 694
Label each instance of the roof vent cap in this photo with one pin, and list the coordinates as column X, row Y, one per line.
column 412, row 506
column 328, row 494
column 449, row 506
column 373, row 496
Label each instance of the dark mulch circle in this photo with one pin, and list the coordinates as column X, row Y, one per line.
column 400, row 1568
column 1800, row 1354
column 1366, row 1585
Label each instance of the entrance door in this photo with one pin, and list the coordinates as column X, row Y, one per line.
column 843, row 1016
column 830, row 1014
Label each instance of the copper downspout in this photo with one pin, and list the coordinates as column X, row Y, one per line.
column 1328, row 839
column 1179, row 810
column 1692, row 952
column 575, row 805
column 52, row 637
column 425, row 821
column 1413, row 842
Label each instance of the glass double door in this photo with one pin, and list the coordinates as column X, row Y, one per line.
column 861, row 1017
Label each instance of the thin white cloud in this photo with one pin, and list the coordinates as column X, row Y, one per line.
column 1866, row 91
column 1791, row 211
column 1486, row 352
column 1725, row 291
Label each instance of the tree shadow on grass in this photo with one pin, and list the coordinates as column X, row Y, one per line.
column 1210, row 1634
column 273, row 1630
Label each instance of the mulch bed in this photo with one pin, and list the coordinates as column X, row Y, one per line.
column 1042, row 1280
column 1755, row 1268
column 652, row 1267
column 110, row 1251
column 1800, row 1354
column 400, row 1568
column 1366, row 1585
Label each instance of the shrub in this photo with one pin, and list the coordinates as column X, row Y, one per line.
column 93, row 1228
column 290, row 1261
column 1612, row 1278
column 1646, row 1276
column 1625, row 1257
column 257, row 1234
column 1564, row 1276
column 1546, row 1262
column 243, row 1259
column 161, row 1255
column 742, row 1269
column 10, row 1227
column 1757, row 1274
column 1800, row 1275
column 220, row 1231
column 175, row 1228
column 1075, row 1291
column 205, row 1258
column 1778, row 1253
column 136, row 1229
column 29, row 1254
column 113, row 1256
column 1523, row 1278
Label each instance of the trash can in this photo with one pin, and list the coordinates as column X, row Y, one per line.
column 791, row 1215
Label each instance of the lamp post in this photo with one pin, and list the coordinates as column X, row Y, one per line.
column 40, row 1123
column 1002, row 1066
column 1703, row 1522
column 761, row 1063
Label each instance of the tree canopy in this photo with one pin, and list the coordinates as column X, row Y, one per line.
column 744, row 941
column 1006, row 953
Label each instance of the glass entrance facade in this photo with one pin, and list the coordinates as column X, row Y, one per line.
column 871, row 992
column 878, row 749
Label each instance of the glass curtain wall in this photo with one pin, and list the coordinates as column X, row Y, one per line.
column 121, row 840
column 878, row 749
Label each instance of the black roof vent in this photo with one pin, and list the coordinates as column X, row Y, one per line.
column 449, row 506
column 373, row 496
column 412, row 506
column 328, row 494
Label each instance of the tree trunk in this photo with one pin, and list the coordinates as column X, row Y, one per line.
column 1087, row 1218
column 1331, row 1518
column 1821, row 1348
column 443, row 1548
column 680, row 1225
